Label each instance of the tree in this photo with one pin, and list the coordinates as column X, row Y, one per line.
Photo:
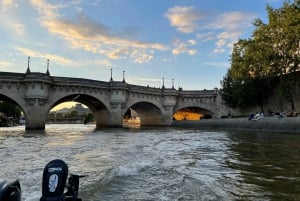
column 88, row 118
column 245, row 85
column 272, row 53
column 284, row 27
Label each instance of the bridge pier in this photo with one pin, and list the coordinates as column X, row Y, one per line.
column 112, row 118
column 116, row 117
column 35, row 118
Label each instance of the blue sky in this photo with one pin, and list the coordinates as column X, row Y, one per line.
column 189, row 41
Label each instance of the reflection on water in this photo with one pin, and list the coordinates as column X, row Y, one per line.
column 270, row 161
column 157, row 163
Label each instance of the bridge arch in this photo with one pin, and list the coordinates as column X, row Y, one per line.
column 13, row 101
column 149, row 113
column 100, row 110
column 10, row 99
column 192, row 113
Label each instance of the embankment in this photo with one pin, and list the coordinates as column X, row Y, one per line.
column 267, row 124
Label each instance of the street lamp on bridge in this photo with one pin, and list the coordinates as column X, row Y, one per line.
column 111, row 79
column 124, row 76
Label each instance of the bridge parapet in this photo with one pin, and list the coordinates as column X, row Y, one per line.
column 198, row 92
column 65, row 81
column 144, row 89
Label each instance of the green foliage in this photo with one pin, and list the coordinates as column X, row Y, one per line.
column 272, row 53
column 89, row 118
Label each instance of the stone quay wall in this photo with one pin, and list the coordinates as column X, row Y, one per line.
column 266, row 124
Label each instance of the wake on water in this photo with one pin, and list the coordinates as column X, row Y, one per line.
column 153, row 165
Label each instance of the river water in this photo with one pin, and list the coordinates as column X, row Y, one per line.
column 156, row 164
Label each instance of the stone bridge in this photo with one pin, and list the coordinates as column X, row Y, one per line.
column 37, row 93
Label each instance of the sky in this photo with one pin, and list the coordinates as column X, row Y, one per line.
column 183, row 43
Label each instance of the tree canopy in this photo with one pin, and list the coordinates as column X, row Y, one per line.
column 265, row 62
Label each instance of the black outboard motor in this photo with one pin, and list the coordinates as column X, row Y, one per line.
column 10, row 190
column 54, row 182
column 73, row 187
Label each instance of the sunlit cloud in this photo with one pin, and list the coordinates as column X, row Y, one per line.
column 117, row 54
column 4, row 64
column 8, row 19
column 229, row 34
column 142, row 58
column 183, row 18
column 83, row 33
column 184, row 47
column 46, row 10
column 7, row 3
column 221, row 43
column 56, row 58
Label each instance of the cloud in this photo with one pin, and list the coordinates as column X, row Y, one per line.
column 206, row 36
column 229, row 34
column 8, row 19
column 192, row 42
column 116, row 54
column 4, row 64
column 183, row 18
column 221, row 43
column 52, row 57
column 225, row 28
column 143, row 58
column 232, row 21
column 7, row 3
column 228, row 28
column 83, row 33
column 184, row 47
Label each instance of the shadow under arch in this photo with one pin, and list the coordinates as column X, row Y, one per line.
column 11, row 101
column 101, row 112
column 192, row 113
column 148, row 113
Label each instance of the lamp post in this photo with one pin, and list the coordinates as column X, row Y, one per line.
column 124, row 76
column 48, row 73
column 28, row 68
column 111, row 79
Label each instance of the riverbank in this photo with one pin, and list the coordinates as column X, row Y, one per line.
column 267, row 124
